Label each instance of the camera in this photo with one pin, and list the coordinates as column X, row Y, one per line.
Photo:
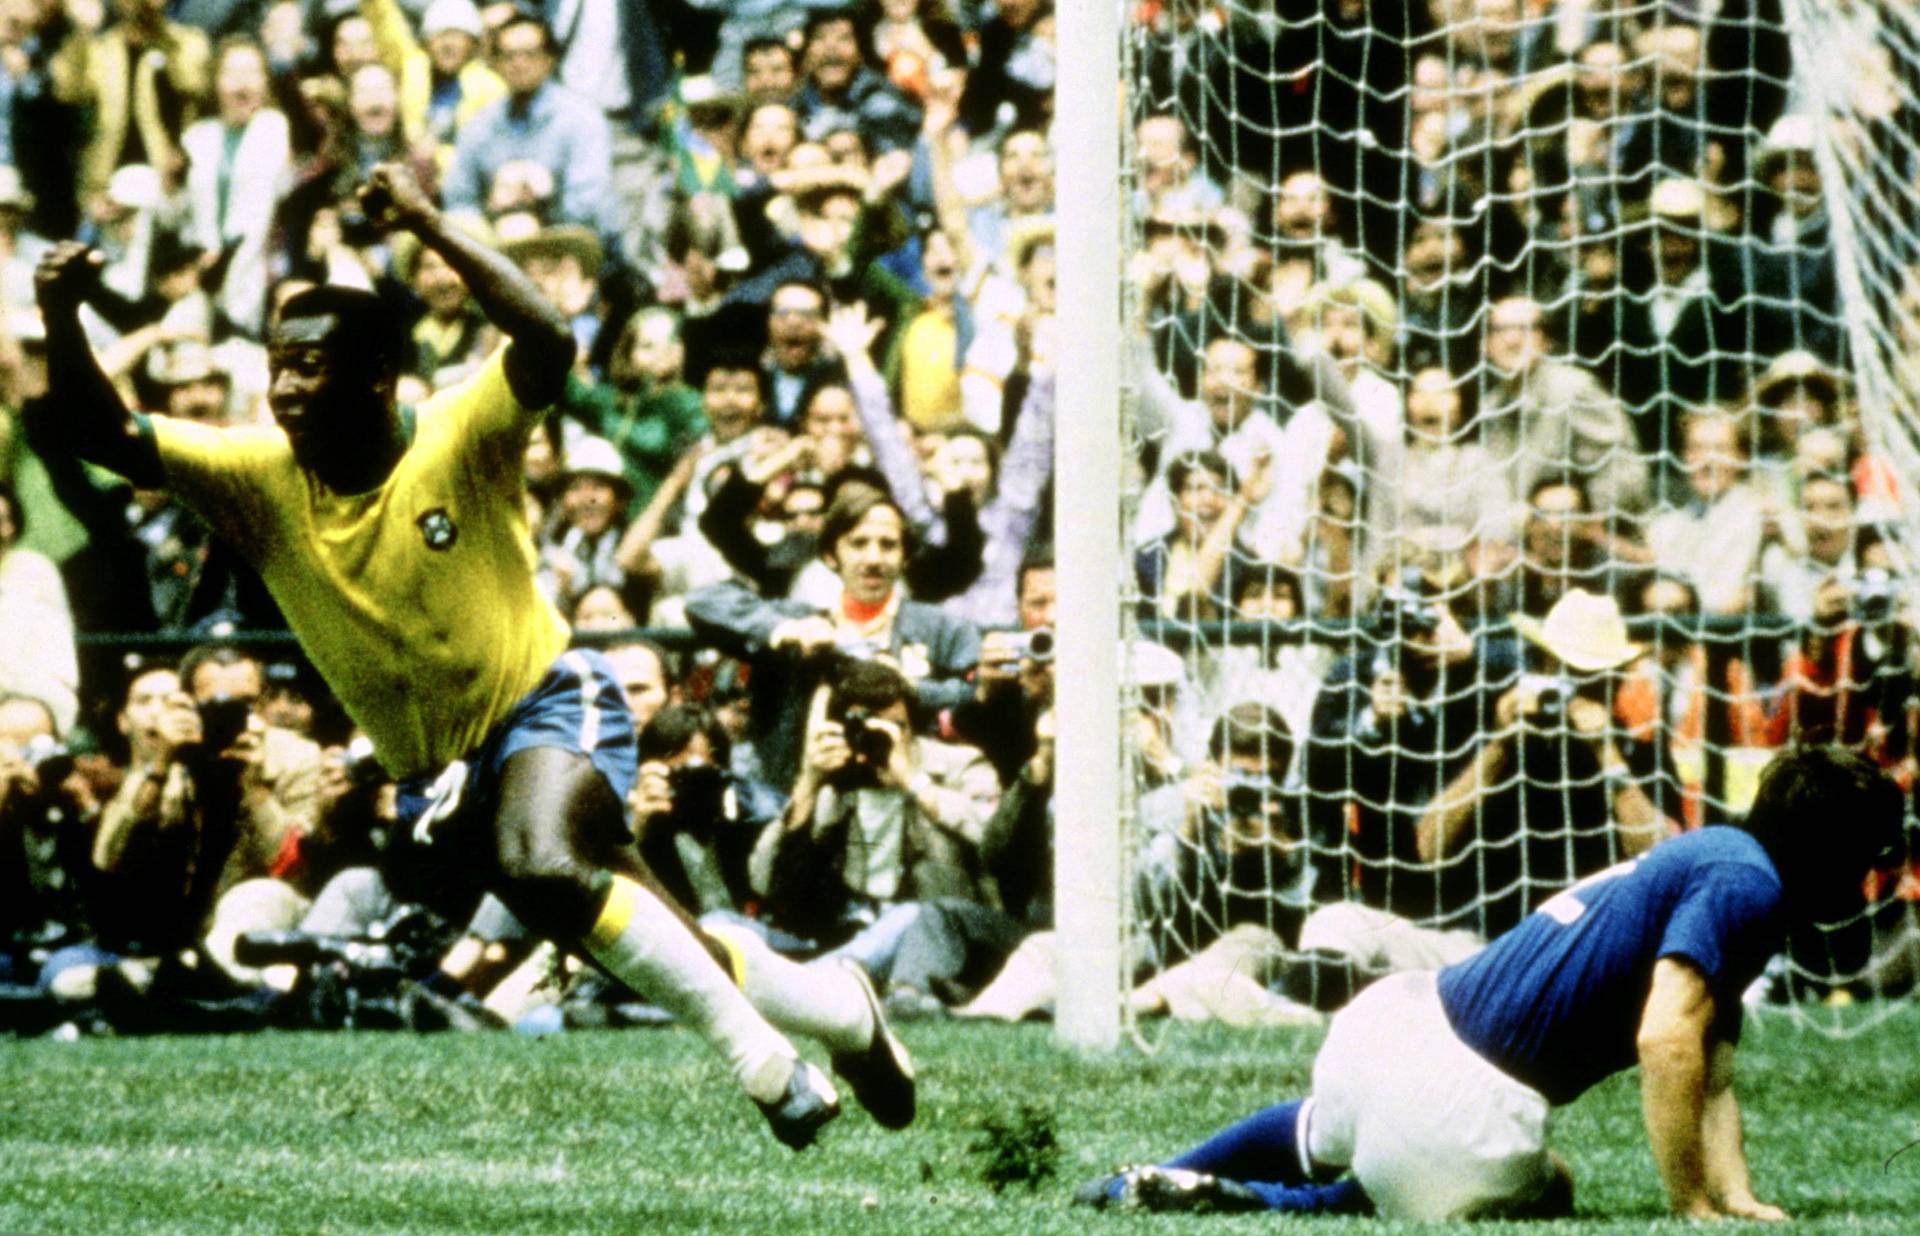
column 870, row 744
column 1404, row 611
column 49, row 759
column 699, row 793
column 357, row 230
column 1875, row 597
column 1551, row 694
column 1035, row 646
column 362, row 767
column 222, row 720
column 1247, row 796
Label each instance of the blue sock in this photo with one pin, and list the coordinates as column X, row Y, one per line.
column 1341, row 1197
column 1265, row 1146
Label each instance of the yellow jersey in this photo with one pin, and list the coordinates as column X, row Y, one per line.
column 416, row 600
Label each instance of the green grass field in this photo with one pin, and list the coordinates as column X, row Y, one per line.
column 638, row 1131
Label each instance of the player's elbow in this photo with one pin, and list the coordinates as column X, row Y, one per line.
column 1671, row 1052
column 547, row 342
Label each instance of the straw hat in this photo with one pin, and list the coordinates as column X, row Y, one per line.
column 568, row 240
column 1585, row 632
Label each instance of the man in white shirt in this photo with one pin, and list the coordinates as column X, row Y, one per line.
column 1827, row 528
column 1714, row 540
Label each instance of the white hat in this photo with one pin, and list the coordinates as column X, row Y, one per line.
column 135, row 187
column 189, row 360
column 1584, row 631
column 1150, row 665
column 1793, row 133
column 444, row 15
column 594, row 456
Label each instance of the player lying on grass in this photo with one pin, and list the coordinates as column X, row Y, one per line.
column 395, row 542
column 1432, row 1091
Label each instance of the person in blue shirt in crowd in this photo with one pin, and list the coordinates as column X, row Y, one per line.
column 1432, row 1091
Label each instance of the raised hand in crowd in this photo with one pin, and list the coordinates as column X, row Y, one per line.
column 652, row 797
column 761, row 467
column 806, row 635
column 852, row 332
column 888, row 173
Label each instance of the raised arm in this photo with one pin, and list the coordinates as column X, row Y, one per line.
column 91, row 420
column 1438, row 833
column 542, row 349
column 853, row 333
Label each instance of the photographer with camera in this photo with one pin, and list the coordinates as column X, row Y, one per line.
column 213, row 804
column 1851, row 679
column 1010, row 719
column 1394, row 721
column 1225, row 847
column 1555, row 791
column 47, row 814
column 694, row 820
column 792, row 646
column 877, row 855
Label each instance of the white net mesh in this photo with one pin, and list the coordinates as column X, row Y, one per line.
column 1525, row 402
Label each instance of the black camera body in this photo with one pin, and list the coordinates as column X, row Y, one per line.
column 1876, row 597
column 1551, row 695
column 363, row 768
column 869, row 743
column 1403, row 610
column 699, row 792
column 222, row 720
column 1247, row 797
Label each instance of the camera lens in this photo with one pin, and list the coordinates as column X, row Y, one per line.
column 1040, row 645
column 1244, row 800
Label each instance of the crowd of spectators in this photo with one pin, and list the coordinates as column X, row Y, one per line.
column 1505, row 325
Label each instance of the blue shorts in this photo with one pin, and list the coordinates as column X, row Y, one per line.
column 578, row 706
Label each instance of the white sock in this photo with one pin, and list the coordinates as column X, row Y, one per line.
column 646, row 946
column 819, row 999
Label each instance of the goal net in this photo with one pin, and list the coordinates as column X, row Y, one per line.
column 1523, row 398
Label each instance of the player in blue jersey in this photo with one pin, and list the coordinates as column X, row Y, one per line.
column 1432, row 1091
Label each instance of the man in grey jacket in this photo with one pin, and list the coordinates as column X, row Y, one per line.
column 792, row 646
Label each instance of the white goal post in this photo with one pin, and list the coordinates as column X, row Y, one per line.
column 1089, row 562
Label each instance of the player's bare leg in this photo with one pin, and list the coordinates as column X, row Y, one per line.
column 550, row 800
column 831, row 1000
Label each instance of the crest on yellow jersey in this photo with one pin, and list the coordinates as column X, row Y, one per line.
column 436, row 527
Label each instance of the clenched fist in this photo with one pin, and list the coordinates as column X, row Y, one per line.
column 393, row 199
column 67, row 276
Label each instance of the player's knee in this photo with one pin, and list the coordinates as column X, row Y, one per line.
column 545, row 884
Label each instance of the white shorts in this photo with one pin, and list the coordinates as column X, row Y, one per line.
column 1430, row 1129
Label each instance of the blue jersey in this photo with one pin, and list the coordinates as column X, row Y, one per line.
column 1556, row 1002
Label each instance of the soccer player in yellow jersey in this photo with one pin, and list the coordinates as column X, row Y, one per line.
column 395, row 541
